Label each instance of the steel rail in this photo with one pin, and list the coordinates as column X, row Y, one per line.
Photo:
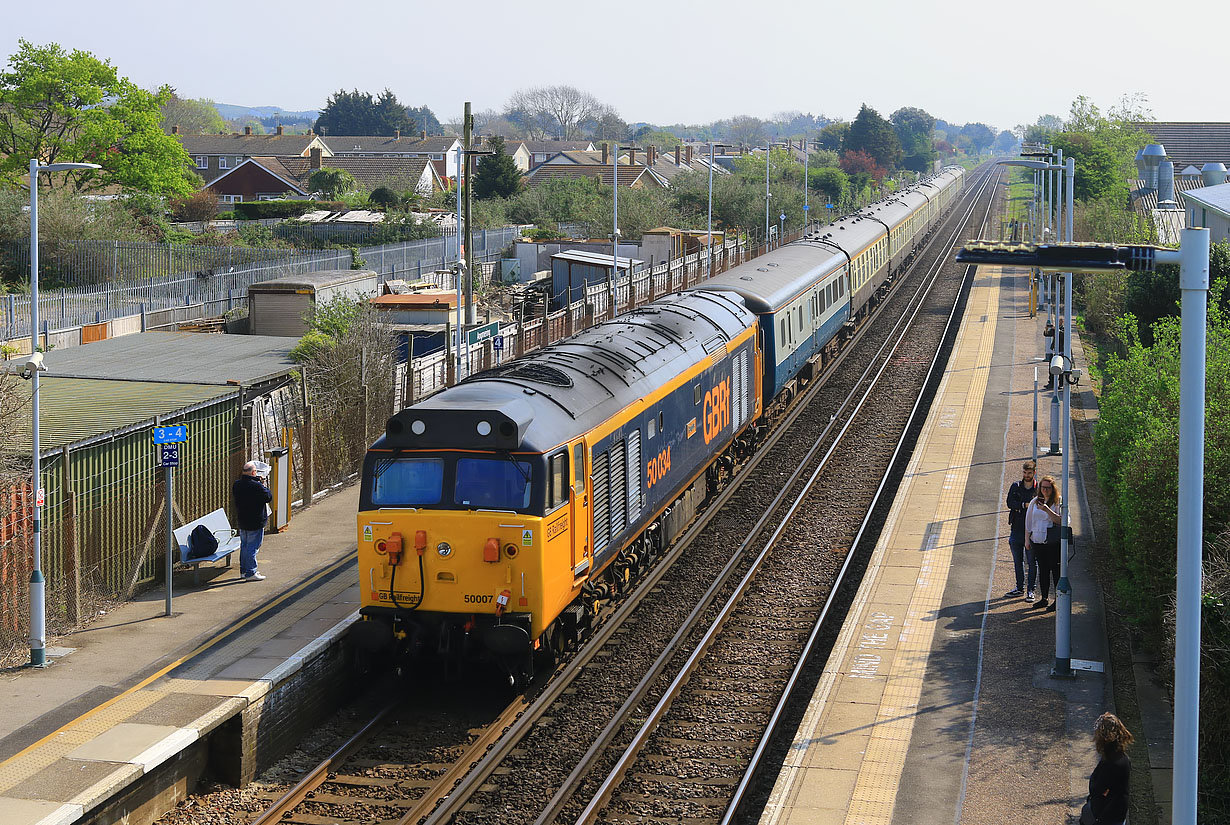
column 626, row 760
column 560, row 798
column 467, row 786
column 787, row 696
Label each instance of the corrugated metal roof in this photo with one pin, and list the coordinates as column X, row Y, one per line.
column 76, row 409
column 595, row 258
column 177, row 357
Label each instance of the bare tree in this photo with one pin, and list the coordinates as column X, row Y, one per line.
column 553, row 111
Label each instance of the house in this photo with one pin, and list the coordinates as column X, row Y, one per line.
column 1210, row 207
column 270, row 178
column 631, row 176
column 444, row 151
column 682, row 159
column 215, row 155
column 528, row 154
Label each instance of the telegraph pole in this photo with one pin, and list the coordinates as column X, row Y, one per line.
column 467, row 129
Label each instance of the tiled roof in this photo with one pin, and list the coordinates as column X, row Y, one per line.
column 1195, row 143
column 552, row 146
column 628, row 175
column 247, row 145
column 339, row 144
column 399, row 173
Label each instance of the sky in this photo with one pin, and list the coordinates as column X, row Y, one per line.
column 664, row 63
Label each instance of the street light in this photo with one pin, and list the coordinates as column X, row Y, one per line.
column 38, row 584
column 710, row 235
column 1192, row 256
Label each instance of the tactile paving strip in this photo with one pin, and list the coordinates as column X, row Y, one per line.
column 892, row 637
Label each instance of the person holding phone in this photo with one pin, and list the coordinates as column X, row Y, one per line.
column 1044, row 512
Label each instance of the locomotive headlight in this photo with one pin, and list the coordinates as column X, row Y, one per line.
column 444, row 549
column 484, row 428
column 418, row 427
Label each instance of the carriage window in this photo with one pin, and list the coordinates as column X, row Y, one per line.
column 493, row 483
column 408, row 482
column 578, row 468
column 558, row 490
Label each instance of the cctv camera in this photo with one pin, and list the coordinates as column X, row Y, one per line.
column 1057, row 365
column 27, row 368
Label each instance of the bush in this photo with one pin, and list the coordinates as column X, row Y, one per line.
column 255, row 210
column 199, row 206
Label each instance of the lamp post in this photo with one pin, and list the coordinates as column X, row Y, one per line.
column 38, row 594
column 1192, row 256
column 710, row 230
column 768, row 147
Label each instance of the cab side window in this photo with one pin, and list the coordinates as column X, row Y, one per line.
column 578, row 465
column 557, row 491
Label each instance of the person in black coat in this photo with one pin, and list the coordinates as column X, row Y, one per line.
column 251, row 496
column 1019, row 495
column 1107, row 802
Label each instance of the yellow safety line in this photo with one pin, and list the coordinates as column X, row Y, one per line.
column 332, row 568
column 884, row 759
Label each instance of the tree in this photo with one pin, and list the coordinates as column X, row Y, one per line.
column 384, row 197
column 659, row 138
column 747, row 131
column 833, row 136
column 913, row 127
column 855, row 162
column 553, row 111
column 1097, row 169
column 201, row 205
column 605, row 124
column 193, row 117
column 981, row 136
column 332, row 183
column 358, row 113
column 874, row 135
column 72, row 107
column 1004, row 142
column 497, row 175
column 833, row 183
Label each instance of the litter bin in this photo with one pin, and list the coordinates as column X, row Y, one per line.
column 279, row 484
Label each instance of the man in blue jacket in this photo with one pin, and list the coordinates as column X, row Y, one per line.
column 251, row 495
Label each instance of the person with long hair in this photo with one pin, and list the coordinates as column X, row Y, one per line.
column 1107, row 803
column 1044, row 512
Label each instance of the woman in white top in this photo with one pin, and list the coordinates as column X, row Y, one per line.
column 1042, row 513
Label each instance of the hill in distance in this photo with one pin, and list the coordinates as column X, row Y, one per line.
column 231, row 111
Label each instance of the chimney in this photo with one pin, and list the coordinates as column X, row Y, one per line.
column 175, row 130
column 315, row 158
column 423, row 135
column 247, row 130
column 605, row 154
column 397, row 134
column 677, row 163
column 649, row 150
column 279, row 129
column 631, row 156
column 689, row 161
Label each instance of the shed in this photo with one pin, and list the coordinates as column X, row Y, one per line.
column 572, row 271
column 429, row 307
column 280, row 307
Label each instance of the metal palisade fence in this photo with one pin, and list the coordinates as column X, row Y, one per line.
column 111, row 279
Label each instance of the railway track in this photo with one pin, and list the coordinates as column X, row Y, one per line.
column 657, row 676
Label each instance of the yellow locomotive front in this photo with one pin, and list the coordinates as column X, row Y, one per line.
column 461, row 550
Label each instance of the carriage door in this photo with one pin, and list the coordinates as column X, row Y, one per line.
column 581, row 556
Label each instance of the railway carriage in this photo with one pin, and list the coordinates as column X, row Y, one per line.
column 496, row 515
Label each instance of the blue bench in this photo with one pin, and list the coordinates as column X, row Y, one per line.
column 228, row 541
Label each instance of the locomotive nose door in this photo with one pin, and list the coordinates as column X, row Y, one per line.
column 581, row 560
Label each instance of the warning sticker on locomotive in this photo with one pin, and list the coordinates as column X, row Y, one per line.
column 527, row 538
column 557, row 527
column 367, row 532
column 692, row 428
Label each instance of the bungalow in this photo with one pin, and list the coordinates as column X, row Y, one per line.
column 444, row 151
column 528, row 154
column 269, row 178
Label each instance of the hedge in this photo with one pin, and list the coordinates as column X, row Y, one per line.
column 254, row 210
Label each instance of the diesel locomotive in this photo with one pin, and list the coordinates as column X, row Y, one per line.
column 496, row 516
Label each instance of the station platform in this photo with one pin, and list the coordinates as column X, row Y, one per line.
column 937, row 704
column 137, row 693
